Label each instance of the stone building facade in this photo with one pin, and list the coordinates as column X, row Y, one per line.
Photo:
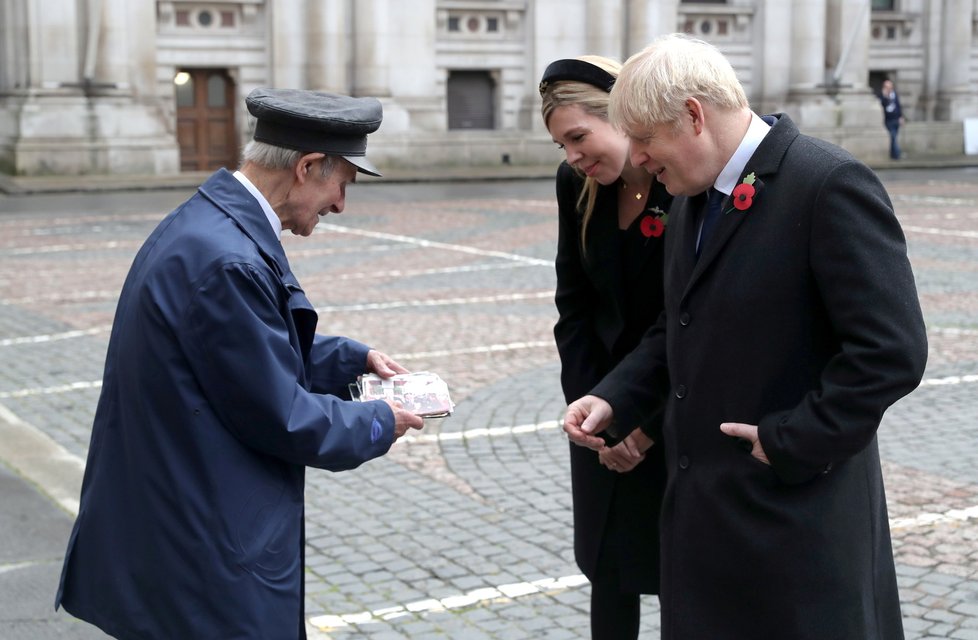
column 155, row 87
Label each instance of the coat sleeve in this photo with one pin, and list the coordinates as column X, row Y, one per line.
column 637, row 388
column 240, row 352
column 335, row 362
column 858, row 258
column 575, row 296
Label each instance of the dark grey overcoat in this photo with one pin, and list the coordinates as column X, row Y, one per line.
column 801, row 316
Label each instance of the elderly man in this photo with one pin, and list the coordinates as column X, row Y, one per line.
column 791, row 324
column 218, row 392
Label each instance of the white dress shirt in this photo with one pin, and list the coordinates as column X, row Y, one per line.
column 267, row 208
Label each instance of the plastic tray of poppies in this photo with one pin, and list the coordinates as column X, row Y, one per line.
column 422, row 393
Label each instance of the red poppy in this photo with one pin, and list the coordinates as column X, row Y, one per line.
column 743, row 196
column 652, row 227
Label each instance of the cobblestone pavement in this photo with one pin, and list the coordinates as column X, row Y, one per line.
column 464, row 530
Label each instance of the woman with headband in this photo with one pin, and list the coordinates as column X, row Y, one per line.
column 612, row 221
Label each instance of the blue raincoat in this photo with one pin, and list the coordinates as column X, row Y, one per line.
column 217, row 394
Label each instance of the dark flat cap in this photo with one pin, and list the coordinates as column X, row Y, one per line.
column 315, row 121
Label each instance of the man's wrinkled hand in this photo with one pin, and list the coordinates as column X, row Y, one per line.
column 586, row 417
column 624, row 456
column 403, row 419
column 382, row 364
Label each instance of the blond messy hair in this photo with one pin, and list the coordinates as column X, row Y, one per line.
column 591, row 100
column 654, row 84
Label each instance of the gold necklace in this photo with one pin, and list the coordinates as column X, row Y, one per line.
column 624, row 186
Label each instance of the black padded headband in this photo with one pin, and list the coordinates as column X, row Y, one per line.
column 577, row 71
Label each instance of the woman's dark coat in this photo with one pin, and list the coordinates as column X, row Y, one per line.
column 800, row 316
column 604, row 310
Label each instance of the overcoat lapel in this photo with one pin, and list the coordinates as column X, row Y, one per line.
column 685, row 218
column 722, row 232
column 764, row 165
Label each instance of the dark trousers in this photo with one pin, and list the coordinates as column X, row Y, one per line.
column 614, row 614
column 894, row 129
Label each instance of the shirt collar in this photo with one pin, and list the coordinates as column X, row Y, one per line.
column 727, row 179
column 267, row 208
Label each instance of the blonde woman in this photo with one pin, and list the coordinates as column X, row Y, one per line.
column 612, row 222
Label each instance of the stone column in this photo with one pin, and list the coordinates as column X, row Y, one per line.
column 647, row 20
column 40, row 60
column 808, row 102
column 807, row 46
column 605, row 22
column 372, row 30
column 932, row 23
column 847, row 53
column 141, row 42
column 52, row 39
column 112, row 54
column 13, row 49
column 287, row 34
column 556, row 30
column 415, row 102
column 955, row 101
column 557, row 27
column 329, row 47
column 773, row 66
column 848, row 43
column 78, row 113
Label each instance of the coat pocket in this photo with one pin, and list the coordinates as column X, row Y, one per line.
column 268, row 532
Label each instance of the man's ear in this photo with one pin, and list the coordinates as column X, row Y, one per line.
column 305, row 164
column 695, row 114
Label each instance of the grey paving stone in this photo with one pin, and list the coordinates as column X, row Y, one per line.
column 440, row 519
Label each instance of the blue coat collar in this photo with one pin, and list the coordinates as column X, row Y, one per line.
column 224, row 191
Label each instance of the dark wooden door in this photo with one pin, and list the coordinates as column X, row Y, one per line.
column 205, row 120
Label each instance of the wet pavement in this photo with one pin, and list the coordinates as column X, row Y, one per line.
column 464, row 530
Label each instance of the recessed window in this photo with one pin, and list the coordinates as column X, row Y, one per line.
column 883, row 5
column 472, row 24
column 205, row 18
column 453, row 24
column 492, row 24
column 227, row 18
column 183, row 18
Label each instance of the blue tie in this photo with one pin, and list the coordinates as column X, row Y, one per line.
column 710, row 217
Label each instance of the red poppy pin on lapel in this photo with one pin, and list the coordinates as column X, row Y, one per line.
column 654, row 223
column 743, row 193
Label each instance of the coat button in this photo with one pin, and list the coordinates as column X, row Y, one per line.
column 684, row 319
column 683, row 462
column 681, row 391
